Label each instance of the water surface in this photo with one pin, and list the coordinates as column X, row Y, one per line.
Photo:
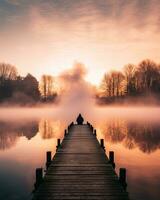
column 132, row 133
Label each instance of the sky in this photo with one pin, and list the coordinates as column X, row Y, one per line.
column 49, row 36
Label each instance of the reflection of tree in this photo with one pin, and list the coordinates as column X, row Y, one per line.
column 49, row 129
column 129, row 141
column 11, row 131
column 115, row 131
column 144, row 136
column 29, row 130
column 7, row 140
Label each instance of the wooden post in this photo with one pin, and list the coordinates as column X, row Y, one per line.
column 111, row 158
column 102, row 143
column 95, row 132
column 39, row 177
column 65, row 132
column 91, row 128
column 71, row 124
column 69, row 128
column 122, row 177
column 58, row 143
column 48, row 158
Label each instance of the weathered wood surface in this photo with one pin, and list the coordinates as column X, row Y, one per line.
column 80, row 170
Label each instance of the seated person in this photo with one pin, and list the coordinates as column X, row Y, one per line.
column 80, row 119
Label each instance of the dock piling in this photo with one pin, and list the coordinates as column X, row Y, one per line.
column 65, row 132
column 95, row 132
column 48, row 158
column 111, row 158
column 102, row 143
column 39, row 177
column 91, row 128
column 58, row 143
column 70, row 126
column 122, row 177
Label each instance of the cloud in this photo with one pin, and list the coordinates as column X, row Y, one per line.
column 131, row 13
column 96, row 19
column 14, row 2
column 102, row 34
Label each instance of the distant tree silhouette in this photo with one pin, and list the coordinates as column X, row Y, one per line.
column 135, row 80
column 8, row 73
column 129, row 71
column 106, row 85
column 148, row 73
column 143, row 79
column 14, row 88
column 46, row 87
column 119, row 83
column 31, row 87
column 112, row 84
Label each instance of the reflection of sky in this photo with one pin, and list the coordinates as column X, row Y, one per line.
column 18, row 163
column 142, row 170
column 13, row 182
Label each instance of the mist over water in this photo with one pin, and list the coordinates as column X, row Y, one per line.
column 76, row 95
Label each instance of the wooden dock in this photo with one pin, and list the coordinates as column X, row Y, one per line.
column 80, row 169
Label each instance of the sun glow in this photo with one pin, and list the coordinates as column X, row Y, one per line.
column 44, row 40
column 67, row 58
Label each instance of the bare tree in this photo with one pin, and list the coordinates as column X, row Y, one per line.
column 7, row 72
column 148, row 73
column 119, row 83
column 129, row 71
column 106, row 85
column 112, row 84
column 113, row 80
column 46, row 87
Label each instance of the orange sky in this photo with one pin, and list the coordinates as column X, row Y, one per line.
column 49, row 36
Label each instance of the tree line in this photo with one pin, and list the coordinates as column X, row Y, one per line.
column 17, row 89
column 135, row 80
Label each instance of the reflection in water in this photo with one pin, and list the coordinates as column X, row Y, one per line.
column 49, row 128
column 11, row 131
column 145, row 136
column 135, row 144
column 29, row 141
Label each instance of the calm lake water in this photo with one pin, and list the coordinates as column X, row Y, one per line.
column 132, row 133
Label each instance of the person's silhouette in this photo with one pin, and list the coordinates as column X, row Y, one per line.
column 80, row 119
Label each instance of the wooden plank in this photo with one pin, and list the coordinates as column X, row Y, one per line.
column 80, row 169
